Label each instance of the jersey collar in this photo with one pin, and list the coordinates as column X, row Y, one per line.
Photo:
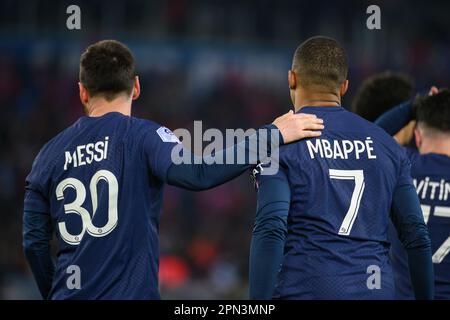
column 319, row 108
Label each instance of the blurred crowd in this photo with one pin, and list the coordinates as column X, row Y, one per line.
column 223, row 62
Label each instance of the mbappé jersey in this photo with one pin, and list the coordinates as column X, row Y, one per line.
column 101, row 181
column 342, row 185
column 431, row 177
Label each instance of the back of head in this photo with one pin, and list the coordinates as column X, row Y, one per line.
column 320, row 62
column 433, row 112
column 107, row 69
column 381, row 92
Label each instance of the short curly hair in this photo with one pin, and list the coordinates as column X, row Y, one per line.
column 380, row 92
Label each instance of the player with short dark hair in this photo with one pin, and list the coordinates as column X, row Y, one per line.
column 433, row 113
column 431, row 173
column 107, row 69
column 380, row 92
column 321, row 221
column 98, row 186
column 320, row 62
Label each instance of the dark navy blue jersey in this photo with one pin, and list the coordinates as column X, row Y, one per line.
column 342, row 184
column 101, row 181
column 431, row 176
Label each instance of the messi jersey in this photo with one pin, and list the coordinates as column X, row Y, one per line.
column 342, row 185
column 101, row 182
column 431, row 176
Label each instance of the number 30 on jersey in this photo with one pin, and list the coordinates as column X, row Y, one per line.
column 77, row 206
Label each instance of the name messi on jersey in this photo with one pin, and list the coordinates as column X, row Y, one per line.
column 86, row 154
column 341, row 149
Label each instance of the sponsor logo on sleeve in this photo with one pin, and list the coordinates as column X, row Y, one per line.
column 167, row 136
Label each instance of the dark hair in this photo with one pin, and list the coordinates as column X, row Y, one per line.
column 380, row 92
column 434, row 111
column 320, row 61
column 107, row 68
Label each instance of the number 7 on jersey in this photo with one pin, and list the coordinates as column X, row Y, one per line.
column 350, row 216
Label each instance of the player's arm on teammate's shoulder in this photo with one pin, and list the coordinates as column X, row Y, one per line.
column 408, row 220
column 287, row 128
column 269, row 232
column 297, row 126
column 37, row 233
column 399, row 121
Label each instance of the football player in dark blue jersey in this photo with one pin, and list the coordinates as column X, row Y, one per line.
column 322, row 220
column 431, row 173
column 98, row 186
column 380, row 93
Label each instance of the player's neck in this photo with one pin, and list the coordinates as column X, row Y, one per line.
column 316, row 99
column 439, row 146
column 98, row 106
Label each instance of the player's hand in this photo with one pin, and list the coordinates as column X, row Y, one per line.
column 296, row 126
column 433, row 91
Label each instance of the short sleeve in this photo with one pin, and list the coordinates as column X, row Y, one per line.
column 404, row 177
column 158, row 144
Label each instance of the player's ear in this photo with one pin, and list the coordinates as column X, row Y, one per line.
column 136, row 88
column 292, row 80
column 344, row 87
column 418, row 137
column 84, row 94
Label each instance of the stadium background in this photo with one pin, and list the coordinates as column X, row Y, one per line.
column 223, row 62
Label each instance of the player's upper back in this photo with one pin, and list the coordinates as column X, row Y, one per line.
column 342, row 182
column 98, row 152
column 431, row 176
column 103, row 178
